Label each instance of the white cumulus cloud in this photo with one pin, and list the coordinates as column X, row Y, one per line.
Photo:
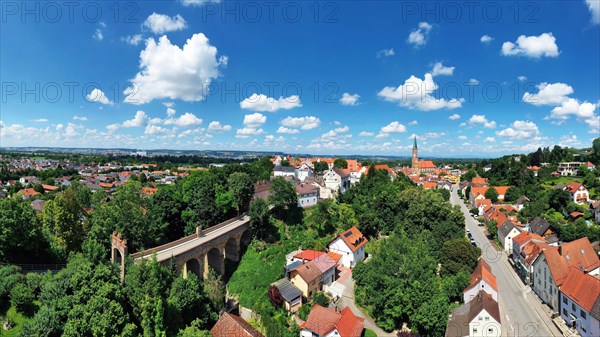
column 549, row 94
column 139, row 120
column 304, row 123
column 268, row 104
column 439, row 69
column 254, row 120
column 161, row 23
column 366, row 134
column 594, row 7
column 167, row 71
column 289, row 131
column 133, row 40
column 419, row 36
column 98, row 96
column 349, row 99
column 454, row 117
column 80, row 118
column 386, row 52
column 198, row 2
column 185, row 120
column 216, row 126
column 486, row 39
column 520, row 130
column 532, row 46
column 415, row 93
column 481, row 120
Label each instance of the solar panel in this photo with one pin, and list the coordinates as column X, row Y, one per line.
column 347, row 234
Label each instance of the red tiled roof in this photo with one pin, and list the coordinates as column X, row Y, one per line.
column 308, row 255
column 231, row 325
column 354, row 238
column 580, row 254
column 323, row 320
column 428, row 185
column 556, row 264
column 49, row 187
column 479, row 181
column 573, row 187
column 426, row 164
column 28, row 192
column 149, row 190
column 582, row 288
column 480, row 202
column 334, row 256
column 483, row 272
column 305, row 189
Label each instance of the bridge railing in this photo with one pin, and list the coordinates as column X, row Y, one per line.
column 185, row 239
column 37, row 268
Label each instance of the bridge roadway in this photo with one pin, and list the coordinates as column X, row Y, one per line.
column 190, row 242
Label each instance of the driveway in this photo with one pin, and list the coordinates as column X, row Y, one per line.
column 347, row 300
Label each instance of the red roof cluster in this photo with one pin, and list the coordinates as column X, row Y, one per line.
column 323, row 320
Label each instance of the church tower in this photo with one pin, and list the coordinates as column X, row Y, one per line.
column 415, row 157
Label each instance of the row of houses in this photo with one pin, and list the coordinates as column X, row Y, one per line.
column 480, row 313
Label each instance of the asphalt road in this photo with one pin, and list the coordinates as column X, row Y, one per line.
column 521, row 312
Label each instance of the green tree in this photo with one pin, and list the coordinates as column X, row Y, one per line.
column 38, row 188
column 492, row 194
column 242, row 188
column 187, row 302
column 166, row 211
column 340, row 163
column 458, row 255
column 215, row 290
column 20, row 231
column 512, row 194
column 320, row 166
column 259, row 217
column 22, row 297
column 283, row 195
column 596, row 152
column 492, row 229
column 63, row 219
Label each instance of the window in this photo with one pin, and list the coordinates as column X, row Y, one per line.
column 565, row 312
column 573, row 307
column 490, row 331
column 487, row 318
column 480, row 318
column 564, row 299
column 582, row 314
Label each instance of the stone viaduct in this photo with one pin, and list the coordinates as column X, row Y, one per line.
column 196, row 253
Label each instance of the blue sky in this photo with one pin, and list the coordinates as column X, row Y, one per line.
column 467, row 78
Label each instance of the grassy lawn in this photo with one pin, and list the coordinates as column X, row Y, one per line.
column 370, row 333
column 18, row 322
column 550, row 183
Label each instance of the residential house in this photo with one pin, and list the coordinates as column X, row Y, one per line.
column 304, row 171
column 595, row 209
column 29, row 180
column 520, row 203
column 307, row 277
column 328, row 322
column 284, row 171
column 527, row 247
column 569, row 168
column 506, row 232
column 49, row 188
column 549, row 273
column 326, row 262
column 477, row 318
column 479, row 182
column 483, row 205
column 482, row 279
column 579, row 193
column 550, row 268
column 230, row 325
column 580, row 302
column 590, row 166
column 149, row 190
column 308, row 194
column 544, row 229
column 429, row 185
column 351, row 245
column 336, row 180
column 38, row 205
column 290, row 293
column 27, row 193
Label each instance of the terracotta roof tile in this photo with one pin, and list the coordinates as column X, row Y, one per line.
column 354, row 238
column 582, row 288
column 579, row 253
column 231, row 325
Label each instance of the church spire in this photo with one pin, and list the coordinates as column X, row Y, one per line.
column 415, row 143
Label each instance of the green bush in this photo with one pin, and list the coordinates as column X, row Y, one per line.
column 22, row 297
column 304, row 311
